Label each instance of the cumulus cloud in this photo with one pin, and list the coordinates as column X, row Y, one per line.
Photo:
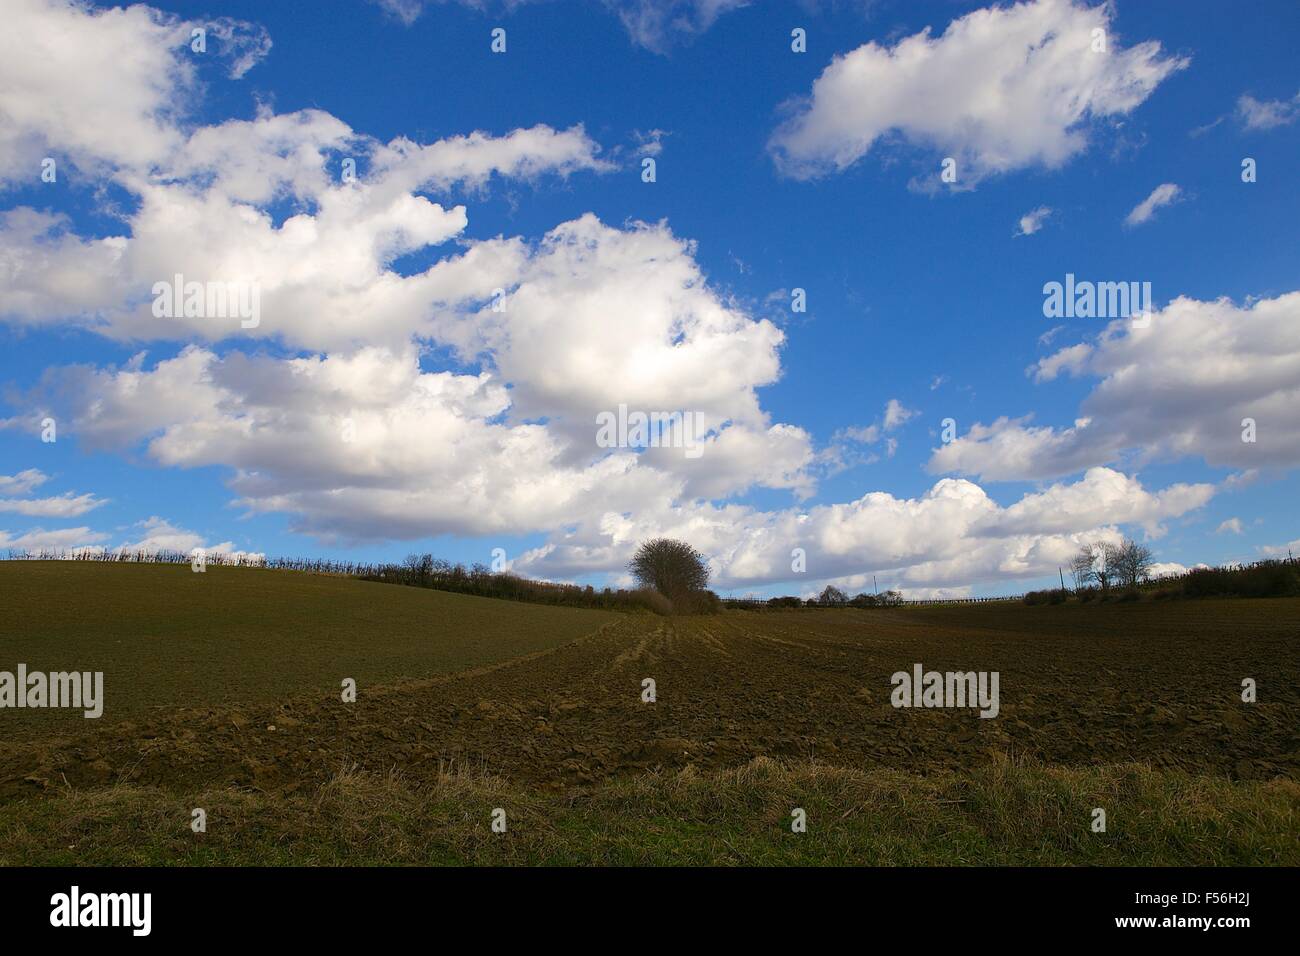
column 1182, row 386
column 1230, row 526
column 380, row 402
column 951, row 536
column 1002, row 88
column 1163, row 195
column 367, row 445
column 102, row 86
column 160, row 535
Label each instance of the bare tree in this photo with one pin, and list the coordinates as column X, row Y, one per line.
column 833, row 596
column 1081, row 567
column 1132, row 563
column 673, row 568
column 1096, row 563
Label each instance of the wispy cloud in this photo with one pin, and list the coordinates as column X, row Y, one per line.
column 1033, row 220
column 1267, row 114
column 1163, row 195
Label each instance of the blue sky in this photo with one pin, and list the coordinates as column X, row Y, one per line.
column 775, row 171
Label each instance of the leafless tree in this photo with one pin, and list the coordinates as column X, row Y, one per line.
column 833, row 596
column 1132, row 563
column 1096, row 563
column 1081, row 567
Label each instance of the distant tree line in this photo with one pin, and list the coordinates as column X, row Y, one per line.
column 1109, row 572
column 426, row 571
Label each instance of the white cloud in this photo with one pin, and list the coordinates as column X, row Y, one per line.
column 68, row 505
column 1163, row 195
column 23, row 482
column 346, row 430
column 1280, row 550
column 1003, row 88
column 1230, row 526
column 160, row 535
column 61, row 540
column 93, row 86
column 896, row 414
column 656, row 25
column 866, row 434
column 1180, row 387
column 1033, row 220
column 1267, row 114
column 954, row 535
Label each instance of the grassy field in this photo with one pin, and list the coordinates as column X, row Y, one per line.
column 999, row 813
column 223, row 694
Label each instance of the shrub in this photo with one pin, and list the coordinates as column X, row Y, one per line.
column 698, row 602
column 673, row 568
column 652, row 601
column 1054, row 596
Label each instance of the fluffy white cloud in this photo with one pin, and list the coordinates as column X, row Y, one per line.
column 952, row 536
column 1185, row 385
column 101, row 86
column 1163, row 195
column 1002, row 89
column 368, row 445
column 160, row 535
column 343, row 420
column 324, row 277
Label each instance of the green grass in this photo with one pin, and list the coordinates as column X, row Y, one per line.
column 1003, row 813
column 167, row 637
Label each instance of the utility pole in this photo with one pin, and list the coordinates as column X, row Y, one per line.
column 1062, row 574
column 875, row 586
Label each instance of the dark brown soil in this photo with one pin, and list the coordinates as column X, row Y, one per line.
column 1158, row 683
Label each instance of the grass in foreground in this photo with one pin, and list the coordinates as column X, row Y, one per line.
column 1003, row 813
